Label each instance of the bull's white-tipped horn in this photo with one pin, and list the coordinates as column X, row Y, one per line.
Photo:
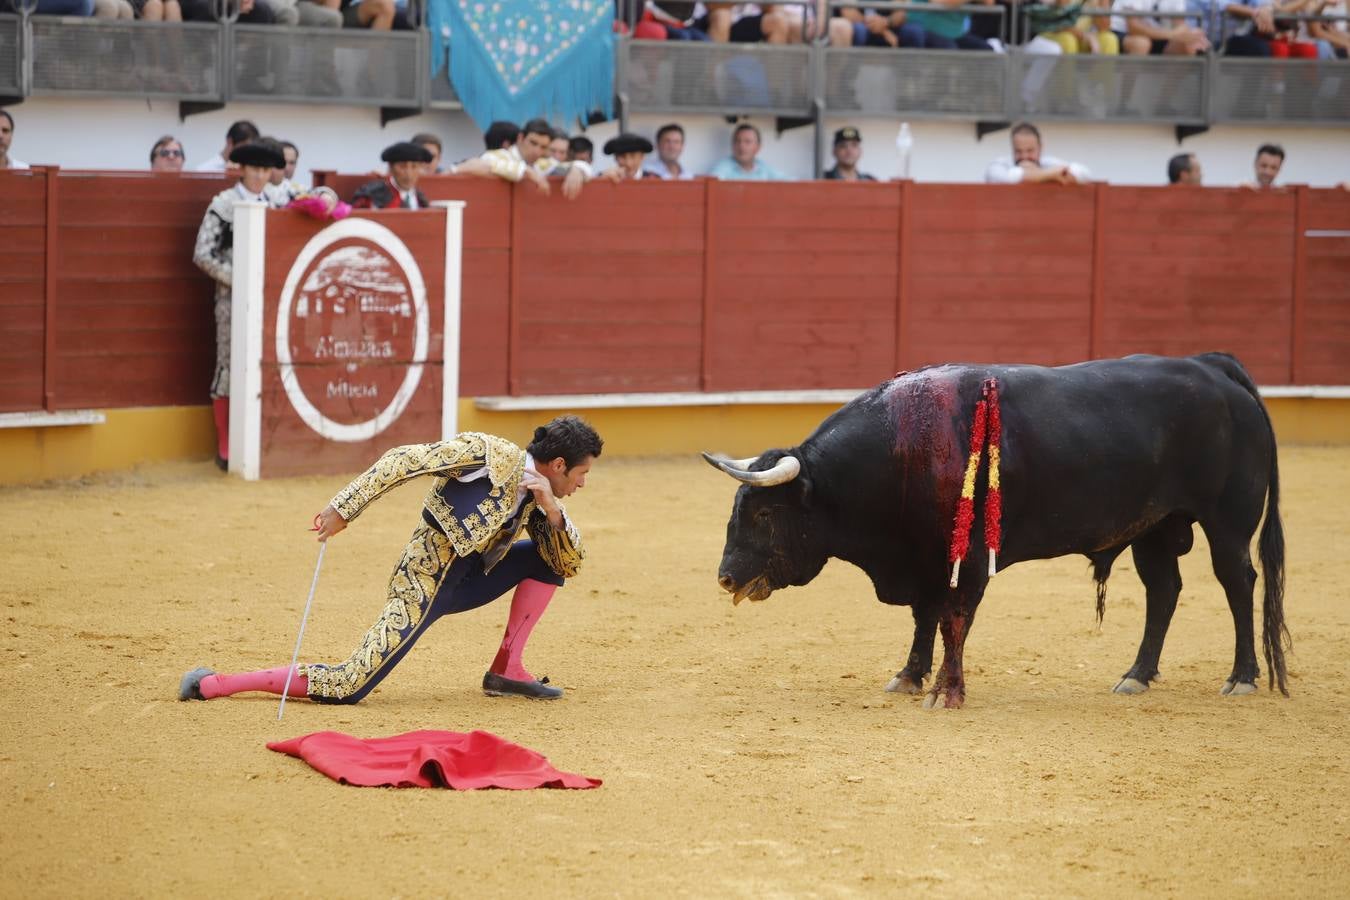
column 783, row 471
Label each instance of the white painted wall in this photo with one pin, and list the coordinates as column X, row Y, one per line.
column 118, row 134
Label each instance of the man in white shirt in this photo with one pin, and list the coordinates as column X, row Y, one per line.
column 1028, row 165
column 669, row 146
column 528, row 158
column 6, row 138
column 240, row 134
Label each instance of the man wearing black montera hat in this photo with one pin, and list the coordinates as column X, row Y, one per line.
column 629, row 152
column 463, row 554
column 397, row 190
column 214, row 255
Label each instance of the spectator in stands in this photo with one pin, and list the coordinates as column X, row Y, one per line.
column 167, row 155
column 670, row 20
column 529, row 158
column 629, row 151
column 877, row 28
column 214, row 255
column 1143, row 36
column 742, row 23
column 501, row 135
column 397, row 190
column 1269, row 160
column 744, row 163
column 282, row 188
column 432, row 144
column 1184, row 169
column 1332, row 38
column 557, row 148
column 377, row 15
column 669, row 146
column 1061, row 24
column 83, row 8
column 949, row 30
column 7, row 138
column 240, row 134
column 308, row 13
column 581, row 148
column 1028, row 165
column 847, row 152
column 158, row 10
column 251, row 12
column 113, row 9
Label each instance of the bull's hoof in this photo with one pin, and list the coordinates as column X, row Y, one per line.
column 1130, row 686
column 903, row 684
column 1237, row 688
column 943, row 700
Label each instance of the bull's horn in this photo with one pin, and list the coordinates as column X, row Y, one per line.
column 783, row 471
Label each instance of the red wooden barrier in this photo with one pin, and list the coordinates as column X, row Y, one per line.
column 23, row 282
column 1322, row 356
column 608, row 289
column 1188, row 271
column 714, row 286
column 802, row 284
column 999, row 274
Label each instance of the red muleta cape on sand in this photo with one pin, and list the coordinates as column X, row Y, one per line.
column 451, row 759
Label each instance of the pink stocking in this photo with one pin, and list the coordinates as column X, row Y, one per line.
column 220, row 407
column 269, row 680
column 527, row 606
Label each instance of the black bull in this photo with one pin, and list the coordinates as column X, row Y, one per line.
column 1096, row 457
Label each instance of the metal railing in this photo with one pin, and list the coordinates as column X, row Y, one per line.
column 206, row 63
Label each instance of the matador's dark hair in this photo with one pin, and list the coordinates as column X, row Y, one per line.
column 567, row 436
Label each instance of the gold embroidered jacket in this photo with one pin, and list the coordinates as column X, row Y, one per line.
column 476, row 515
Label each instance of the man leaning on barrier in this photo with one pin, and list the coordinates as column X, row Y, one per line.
column 1029, row 166
column 214, row 255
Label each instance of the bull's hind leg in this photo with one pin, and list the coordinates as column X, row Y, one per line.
column 1155, row 557
column 909, row 680
column 1231, row 555
column 949, row 687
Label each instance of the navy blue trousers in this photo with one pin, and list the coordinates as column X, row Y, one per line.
column 429, row 582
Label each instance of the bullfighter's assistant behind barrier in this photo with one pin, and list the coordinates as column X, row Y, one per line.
column 462, row 555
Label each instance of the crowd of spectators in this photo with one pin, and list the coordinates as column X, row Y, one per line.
column 539, row 153
column 1108, row 27
column 379, row 15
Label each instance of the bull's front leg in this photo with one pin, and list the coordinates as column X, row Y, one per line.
column 949, row 687
column 909, row 680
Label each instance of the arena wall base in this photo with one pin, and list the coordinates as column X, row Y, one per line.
column 132, row 437
column 125, row 439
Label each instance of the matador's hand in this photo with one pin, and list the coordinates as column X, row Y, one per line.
column 542, row 490
column 328, row 523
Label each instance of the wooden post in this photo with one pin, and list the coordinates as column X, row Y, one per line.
column 705, row 379
column 50, row 250
column 902, row 271
column 1298, row 308
column 1097, row 309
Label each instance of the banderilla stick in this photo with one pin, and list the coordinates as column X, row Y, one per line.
column 304, row 617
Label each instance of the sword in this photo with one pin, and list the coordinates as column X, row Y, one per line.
column 304, row 617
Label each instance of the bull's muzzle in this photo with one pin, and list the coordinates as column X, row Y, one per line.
column 755, row 589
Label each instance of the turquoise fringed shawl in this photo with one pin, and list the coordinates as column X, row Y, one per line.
column 515, row 60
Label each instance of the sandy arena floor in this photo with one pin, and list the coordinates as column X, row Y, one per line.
column 745, row 751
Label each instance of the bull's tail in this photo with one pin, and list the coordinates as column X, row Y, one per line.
column 1274, row 635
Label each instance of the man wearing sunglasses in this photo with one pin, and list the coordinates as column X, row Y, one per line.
column 167, row 155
